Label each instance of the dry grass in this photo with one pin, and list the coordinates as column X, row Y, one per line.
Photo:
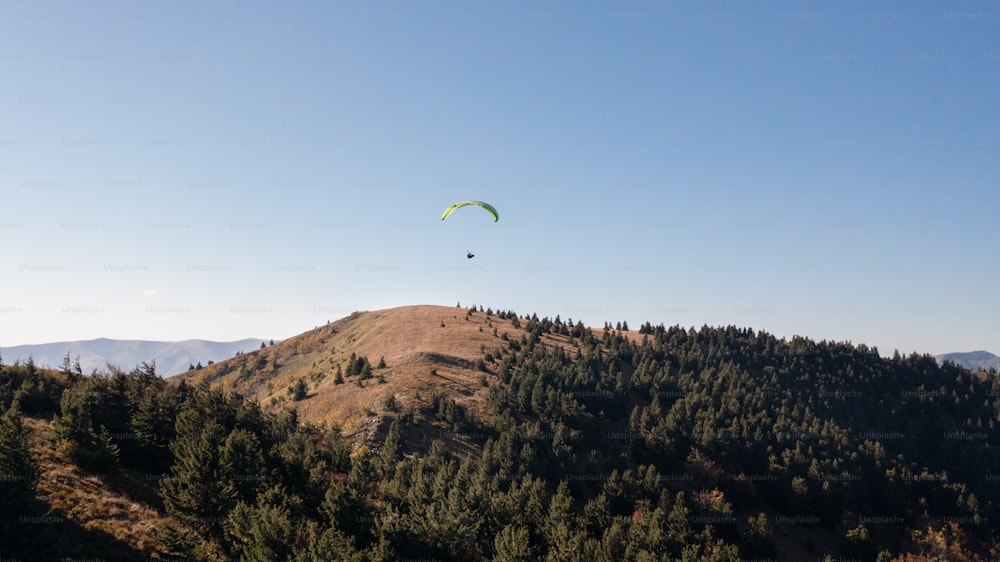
column 426, row 348
column 87, row 500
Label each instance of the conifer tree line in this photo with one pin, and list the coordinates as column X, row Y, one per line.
column 694, row 444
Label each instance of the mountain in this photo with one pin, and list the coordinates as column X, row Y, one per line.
column 426, row 348
column 453, row 434
column 171, row 357
column 975, row 360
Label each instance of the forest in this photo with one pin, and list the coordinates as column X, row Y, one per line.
column 717, row 443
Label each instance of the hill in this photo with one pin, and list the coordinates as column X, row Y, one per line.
column 975, row 360
column 488, row 435
column 171, row 357
column 425, row 349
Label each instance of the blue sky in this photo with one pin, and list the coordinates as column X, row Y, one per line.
column 222, row 170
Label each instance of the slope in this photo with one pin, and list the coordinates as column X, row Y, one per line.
column 426, row 348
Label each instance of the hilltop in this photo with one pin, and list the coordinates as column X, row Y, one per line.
column 425, row 349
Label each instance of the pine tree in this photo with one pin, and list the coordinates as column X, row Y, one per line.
column 392, row 447
column 353, row 365
column 18, row 470
column 513, row 544
column 678, row 522
column 565, row 543
column 299, row 390
column 334, row 544
column 66, row 368
column 153, row 427
column 264, row 530
column 242, row 464
column 757, row 541
column 75, row 429
column 196, row 492
column 177, row 542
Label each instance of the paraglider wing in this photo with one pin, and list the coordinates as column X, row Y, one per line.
column 489, row 209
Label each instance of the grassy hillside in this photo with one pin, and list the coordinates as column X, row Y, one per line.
column 424, row 348
column 73, row 512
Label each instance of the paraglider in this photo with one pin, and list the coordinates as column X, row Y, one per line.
column 486, row 206
column 489, row 209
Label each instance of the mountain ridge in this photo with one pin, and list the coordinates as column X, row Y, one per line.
column 975, row 360
column 171, row 357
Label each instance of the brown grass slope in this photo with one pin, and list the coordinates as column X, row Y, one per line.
column 83, row 514
column 425, row 348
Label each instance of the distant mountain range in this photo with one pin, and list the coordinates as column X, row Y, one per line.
column 972, row 360
column 171, row 357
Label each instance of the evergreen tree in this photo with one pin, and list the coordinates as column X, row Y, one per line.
column 242, row 464
column 564, row 542
column 67, row 366
column 392, row 447
column 679, row 523
column 334, row 544
column 513, row 544
column 757, row 541
column 299, row 390
column 264, row 530
column 153, row 427
column 353, row 365
column 859, row 543
column 75, row 428
column 18, row 470
column 196, row 491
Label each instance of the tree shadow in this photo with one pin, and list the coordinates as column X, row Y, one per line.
column 40, row 535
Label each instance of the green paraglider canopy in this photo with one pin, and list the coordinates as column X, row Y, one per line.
column 489, row 209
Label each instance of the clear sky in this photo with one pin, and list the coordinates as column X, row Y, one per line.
column 221, row 170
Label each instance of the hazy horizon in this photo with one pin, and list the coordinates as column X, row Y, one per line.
column 53, row 364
